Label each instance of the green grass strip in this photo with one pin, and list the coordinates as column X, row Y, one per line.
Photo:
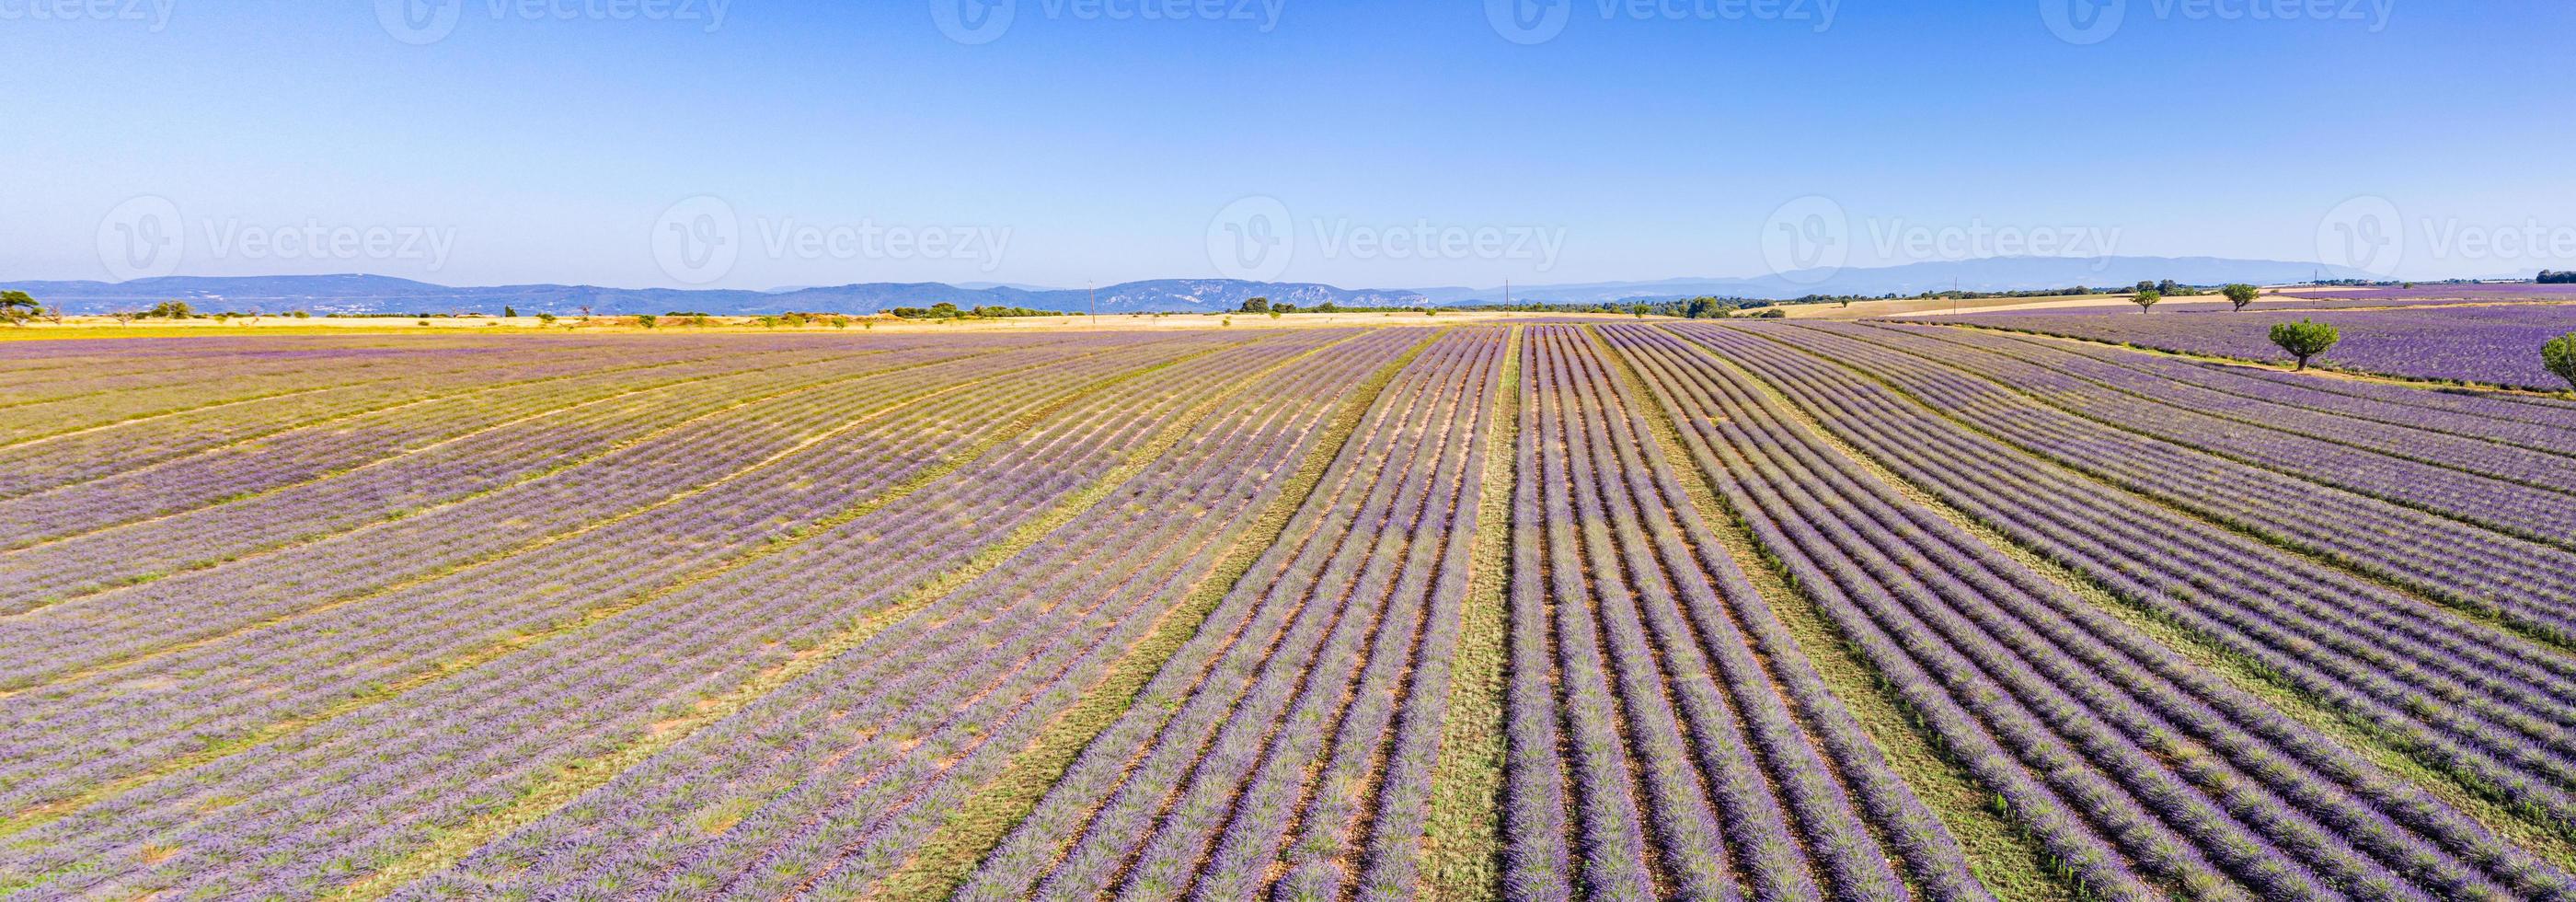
column 1463, row 849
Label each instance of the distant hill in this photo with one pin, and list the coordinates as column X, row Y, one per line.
column 384, row 294
column 381, row 294
column 1986, row 274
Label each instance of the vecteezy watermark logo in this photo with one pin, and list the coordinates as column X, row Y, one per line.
column 2088, row 22
column 974, row 22
column 2365, row 233
column 146, row 237
column 1806, row 241
column 2083, row 22
column 154, row 15
column 420, row 22
column 2520, row 245
column 1252, row 239
column 1810, row 240
column 788, row 239
column 700, row 240
column 1539, row 21
column 697, row 240
column 2369, row 235
column 1899, row 240
column 1255, row 238
column 1529, row 21
column 142, row 238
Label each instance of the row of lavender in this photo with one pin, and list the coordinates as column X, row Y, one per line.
column 639, row 489
column 704, row 589
column 2485, row 345
column 56, row 395
column 360, row 492
column 2140, row 771
column 1286, row 749
column 2462, row 696
column 825, row 786
column 1668, row 737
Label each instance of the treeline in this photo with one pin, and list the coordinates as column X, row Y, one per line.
column 945, row 310
column 2551, row 277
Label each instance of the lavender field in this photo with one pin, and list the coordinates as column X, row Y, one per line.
column 2496, row 345
column 1538, row 610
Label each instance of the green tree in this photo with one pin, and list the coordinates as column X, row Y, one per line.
column 2560, row 356
column 648, row 320
column 2305, row 339
column 1255, row 305
column 509, row 311
column 2146, row 300
column 2241, row 295
column 545, row 319
column 18, row 307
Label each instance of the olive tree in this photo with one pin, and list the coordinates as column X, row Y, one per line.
column 18, row 307
column 2559, row 355
column 2305, row 339
column 2146, row 300
column 2241, row 295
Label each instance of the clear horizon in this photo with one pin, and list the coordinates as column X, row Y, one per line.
column 707, row 143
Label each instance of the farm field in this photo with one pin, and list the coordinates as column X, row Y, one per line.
column 1364, row 608
column 2495, row 344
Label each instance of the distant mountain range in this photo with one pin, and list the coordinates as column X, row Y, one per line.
column 1986, row 274
column 385, row 294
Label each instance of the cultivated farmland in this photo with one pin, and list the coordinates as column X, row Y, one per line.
column 1531, row 610
column 2483, row 344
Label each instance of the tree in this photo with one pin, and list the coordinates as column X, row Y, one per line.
column 2146, row 300
column 509, row 311
column 648, row 320
column 585, row 311
column 1255, row 305
column 545, row 319
column 2559, row 355
column 2241, row 295
column 18, row 307
column 2307, row 338
column 123, row 317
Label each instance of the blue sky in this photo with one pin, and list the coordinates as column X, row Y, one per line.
column 1371, row 144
